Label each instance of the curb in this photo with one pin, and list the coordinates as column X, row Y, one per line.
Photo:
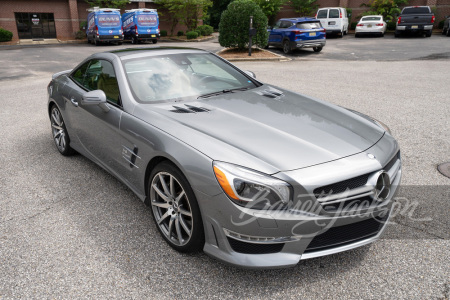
column 278, row 58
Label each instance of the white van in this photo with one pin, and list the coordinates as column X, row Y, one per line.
column 333, row 19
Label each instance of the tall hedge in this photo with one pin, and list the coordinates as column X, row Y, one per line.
column 235, row 21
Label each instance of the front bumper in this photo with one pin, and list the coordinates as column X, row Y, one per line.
column 308, row 44
column 275, row 239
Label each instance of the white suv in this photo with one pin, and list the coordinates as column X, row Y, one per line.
column 333, row 19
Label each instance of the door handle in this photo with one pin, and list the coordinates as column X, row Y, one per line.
column 75, row 103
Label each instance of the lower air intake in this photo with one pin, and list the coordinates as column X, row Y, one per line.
column 251, row 248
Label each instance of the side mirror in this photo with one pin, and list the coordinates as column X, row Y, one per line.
column 251, row 74
column 96, row 97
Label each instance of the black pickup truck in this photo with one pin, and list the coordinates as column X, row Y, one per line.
column 418, row 19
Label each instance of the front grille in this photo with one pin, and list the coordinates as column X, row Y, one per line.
column 349, row 205
column 251, row 248
column 346, row 234
column 341, row 186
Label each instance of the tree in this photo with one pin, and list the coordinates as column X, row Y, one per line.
column 388, row 8
column 304, row 7
column 108, row 3
column 188, row 12
column 235, row 21
column 270, row 8
column 215, row 12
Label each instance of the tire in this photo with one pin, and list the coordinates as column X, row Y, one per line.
column 428, row 33
column 448, row 31
column 133, row 40
column 443, row 31
column 356, row 35
column 286, row 47
column 154, row 41
column 119, row 43
column 317, row 49
column 175, row 209
column 341, row 35
column 397, row 34
column 96, row 42
column 59, row 132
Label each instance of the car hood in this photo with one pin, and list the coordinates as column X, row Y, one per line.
column 264, row 131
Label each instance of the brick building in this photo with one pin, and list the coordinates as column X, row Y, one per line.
column 39, row 19
column 61, row 19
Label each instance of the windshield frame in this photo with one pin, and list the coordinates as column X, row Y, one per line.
column 252, row 80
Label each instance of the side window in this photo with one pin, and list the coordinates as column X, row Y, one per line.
column 277, row 25
column 322, row 14
column 80, row 74
column 100, row 75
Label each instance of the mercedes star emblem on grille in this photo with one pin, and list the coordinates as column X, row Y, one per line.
column 382, row 187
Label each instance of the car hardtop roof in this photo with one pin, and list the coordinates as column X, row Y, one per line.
column 302, row 19
column 329, row 7
column 129, row 53
column 372, row 16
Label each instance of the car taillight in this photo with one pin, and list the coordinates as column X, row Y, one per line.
column 323, row 30
column 379, row 24
column 315, row 17
column 121, row 29
column 297, row 32
column 360, row 25
column 399, row 20
column 96, row 29
column 135, row 29
column 340, row 15
column 432, row 19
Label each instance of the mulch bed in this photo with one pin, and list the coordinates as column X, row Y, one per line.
column 256, row 53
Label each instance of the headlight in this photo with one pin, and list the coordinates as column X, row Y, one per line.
column 252, row 189
column 382, row 125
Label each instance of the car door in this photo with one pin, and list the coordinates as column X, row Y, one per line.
column 275, row 35
column 322, row 15
column 97, row 131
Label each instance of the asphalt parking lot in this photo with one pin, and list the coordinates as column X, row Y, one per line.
column 70, row 230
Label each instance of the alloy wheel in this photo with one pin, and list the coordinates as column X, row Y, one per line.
column 171, row 208
column 58, row 130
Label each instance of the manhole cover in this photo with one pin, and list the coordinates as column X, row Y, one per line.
column 444, row 169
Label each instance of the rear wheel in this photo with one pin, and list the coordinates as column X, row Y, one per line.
column 133, row 40
column 286, row 47
column 317, row 49
column 397, row 34
column 448, row 31
column 119, row 43
column 356, row 35
column 341, row 35
column 96, row 43
column 175, row 209
column 59, row 132
column 428, row 33
column 154, row 41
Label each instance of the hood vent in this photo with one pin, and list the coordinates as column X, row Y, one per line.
column 270, row 93
column 188, row 109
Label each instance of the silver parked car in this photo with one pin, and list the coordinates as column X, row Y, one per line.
column 253, row 175
column 373, row 24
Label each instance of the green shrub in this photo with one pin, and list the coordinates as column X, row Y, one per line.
column 353, row 25
column 234, row 25
column 5, row 35
column 180, row 33
column 83, row 25
column 191, row 35
column 163, row 32
column 205, row 30
column 391, row 25
column 199, row 33
column 79, row 35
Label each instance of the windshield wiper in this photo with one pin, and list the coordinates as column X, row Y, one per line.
column 222, row 92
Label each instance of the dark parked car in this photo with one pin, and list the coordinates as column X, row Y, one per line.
column 446, row 28
column 297, row 33
column 415, row 19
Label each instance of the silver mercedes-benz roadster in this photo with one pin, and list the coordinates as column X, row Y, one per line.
column 252, row 174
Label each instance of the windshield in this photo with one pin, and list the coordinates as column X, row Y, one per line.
column 181, row 76
column 147, row 20
column 371, row 19
column 310, row 25
column 415, row 10
column 109, row 20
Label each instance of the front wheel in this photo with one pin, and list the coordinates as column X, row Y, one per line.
column 286, row 47
column 175, row 209
column 317, row 49
column 59, row 132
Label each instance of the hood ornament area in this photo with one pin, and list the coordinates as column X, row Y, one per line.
column 382, row 187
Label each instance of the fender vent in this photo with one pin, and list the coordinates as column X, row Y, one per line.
column 188, row 109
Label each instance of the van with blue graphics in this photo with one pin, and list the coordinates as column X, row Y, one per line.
column 104, row 25
column 140, row 25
